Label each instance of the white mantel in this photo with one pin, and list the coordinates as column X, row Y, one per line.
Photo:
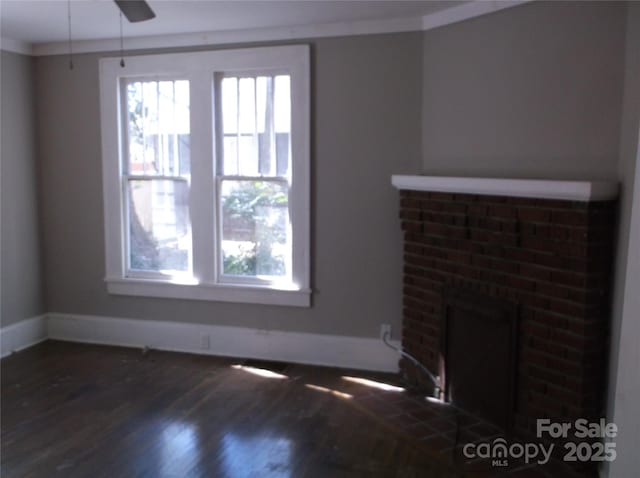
column 530, row 188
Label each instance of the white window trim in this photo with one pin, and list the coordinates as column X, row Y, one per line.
column 200, row 68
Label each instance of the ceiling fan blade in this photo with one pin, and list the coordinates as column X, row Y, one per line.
column 135, row 10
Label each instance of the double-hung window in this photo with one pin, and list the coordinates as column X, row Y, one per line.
column 206, row 175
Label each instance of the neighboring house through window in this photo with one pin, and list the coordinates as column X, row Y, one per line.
column 206, row 175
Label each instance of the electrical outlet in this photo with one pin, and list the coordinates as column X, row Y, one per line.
column 385, row 330
column 205, row 343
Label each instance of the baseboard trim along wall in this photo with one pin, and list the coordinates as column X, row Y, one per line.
column 23, row 334
column 314, row 349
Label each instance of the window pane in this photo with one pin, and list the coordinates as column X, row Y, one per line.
column 159, row 228
column 230, row 165
column 158, row 127
column 247, row 104
column 256, row 116
column 256, row 234
column 282, row 101
column 230, row 105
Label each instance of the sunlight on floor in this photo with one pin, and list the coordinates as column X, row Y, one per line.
column 260, row 372
column 372, row 383
column 329, row 390
column 179, row 448
column 246, row 454
column 435, row 400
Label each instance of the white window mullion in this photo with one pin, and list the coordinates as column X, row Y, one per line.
column 202, row 198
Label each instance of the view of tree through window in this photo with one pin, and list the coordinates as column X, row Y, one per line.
column 256, row 150
column 157, row 176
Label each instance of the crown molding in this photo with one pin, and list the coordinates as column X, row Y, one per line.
column 466, row 12
column 444, row 17
column 234, row 36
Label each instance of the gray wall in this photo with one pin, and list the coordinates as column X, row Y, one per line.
column 624, row 379
column 366, row 126
column 531, row 91
column 21, row 276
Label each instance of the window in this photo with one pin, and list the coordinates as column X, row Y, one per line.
column 206, row 175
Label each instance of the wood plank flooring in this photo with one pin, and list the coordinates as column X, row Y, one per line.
column 75, row 410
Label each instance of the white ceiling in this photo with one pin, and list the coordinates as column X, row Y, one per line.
column 37, row 22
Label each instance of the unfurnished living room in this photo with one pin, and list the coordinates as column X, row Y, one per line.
column 316, row 238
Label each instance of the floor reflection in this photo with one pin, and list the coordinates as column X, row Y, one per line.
column 261, row 372
column 256, row 456
column 373, row 384
column 331, row 391
column 179, row 449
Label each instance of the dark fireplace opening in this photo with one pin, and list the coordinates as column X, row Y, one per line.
column 478, row 353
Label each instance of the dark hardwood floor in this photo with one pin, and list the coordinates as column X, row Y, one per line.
column 76, row 410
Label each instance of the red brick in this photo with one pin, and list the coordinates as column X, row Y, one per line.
column 494, row 199
column 548, row 319
column 535, row 243
column 499, row 210
column 438, row 196
column 533, row 300
column 572, row 218
column 525, row 202
column 570, row 249
column 534, row 272
column 414, row 264
column 534, row 214
column 559, row 233
column 454, row 207
column 477, row 210
column 409, row 203
column 552, row 290
column 502, row 265
column 568, row 278
column 410, row 214
column 566, row 308
column 569, row 339
column 536, row 330
column 428, row 205
column 520, row 283
column 459, row 257
column 519, row 255
column 411, row 226
column 493, row 277
column 437, row 218
column 412, row 248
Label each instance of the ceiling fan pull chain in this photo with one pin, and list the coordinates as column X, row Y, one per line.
column 70, row 44
column 122, row 64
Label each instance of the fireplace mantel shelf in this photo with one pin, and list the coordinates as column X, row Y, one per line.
column 530, row 188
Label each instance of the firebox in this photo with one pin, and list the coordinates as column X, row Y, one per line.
column 478, row 355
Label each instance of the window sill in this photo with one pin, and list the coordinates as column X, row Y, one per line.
column 248, row 294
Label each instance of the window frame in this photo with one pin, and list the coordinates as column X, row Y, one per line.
column 202, row 69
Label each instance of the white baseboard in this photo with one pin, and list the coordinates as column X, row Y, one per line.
column 314, row 349
column 22, row 334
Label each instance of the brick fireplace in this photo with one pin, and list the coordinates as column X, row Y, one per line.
column 541, row 250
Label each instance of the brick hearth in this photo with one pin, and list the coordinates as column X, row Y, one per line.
column 551, row 258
